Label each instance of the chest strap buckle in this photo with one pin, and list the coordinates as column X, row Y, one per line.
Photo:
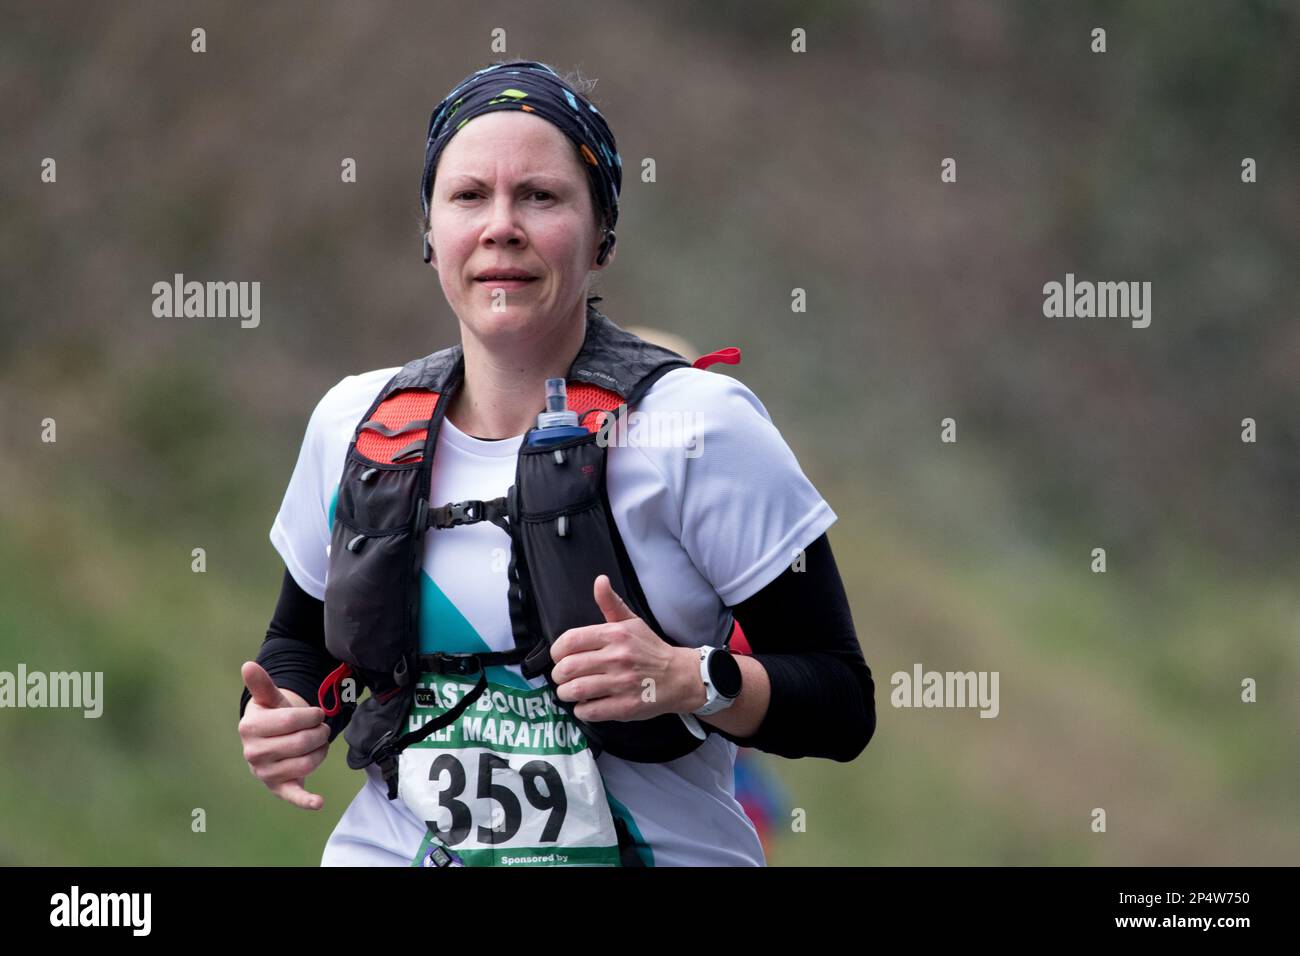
column 456, row 513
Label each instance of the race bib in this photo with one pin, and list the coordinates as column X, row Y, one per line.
column 510, row 782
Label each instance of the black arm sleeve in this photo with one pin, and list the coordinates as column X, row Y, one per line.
column 800, row 629
column 294, row 651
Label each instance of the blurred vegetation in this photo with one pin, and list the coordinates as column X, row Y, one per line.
column 775, row 171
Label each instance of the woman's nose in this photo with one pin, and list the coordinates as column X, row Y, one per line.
column 503, row 225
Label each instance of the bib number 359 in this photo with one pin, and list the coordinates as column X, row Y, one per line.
column 538, row 780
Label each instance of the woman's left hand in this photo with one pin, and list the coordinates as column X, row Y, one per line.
column 623, row 670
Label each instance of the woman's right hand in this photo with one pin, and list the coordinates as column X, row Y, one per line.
column 285, row 738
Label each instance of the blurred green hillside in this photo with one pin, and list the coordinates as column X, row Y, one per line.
column 774, row 171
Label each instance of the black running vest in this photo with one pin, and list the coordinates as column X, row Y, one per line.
column 562, row 535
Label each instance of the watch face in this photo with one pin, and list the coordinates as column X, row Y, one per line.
column 724, row 673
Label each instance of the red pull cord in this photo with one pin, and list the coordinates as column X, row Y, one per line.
column 331, row 683
column 730, row 356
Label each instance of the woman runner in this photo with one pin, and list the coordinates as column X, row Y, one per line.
column 520, row 199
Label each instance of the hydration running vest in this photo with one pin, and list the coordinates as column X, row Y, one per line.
column 562, row 535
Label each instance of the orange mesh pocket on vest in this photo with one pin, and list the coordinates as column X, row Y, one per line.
column 394, row 414
column 590, row 402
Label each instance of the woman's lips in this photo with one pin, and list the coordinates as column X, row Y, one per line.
column 507, row 284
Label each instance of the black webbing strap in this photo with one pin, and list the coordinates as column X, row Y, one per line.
column 456, row 513
column 466, row 664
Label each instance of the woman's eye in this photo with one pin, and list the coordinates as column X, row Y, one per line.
column 546, row 197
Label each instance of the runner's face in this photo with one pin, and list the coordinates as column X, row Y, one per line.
column 510, row 193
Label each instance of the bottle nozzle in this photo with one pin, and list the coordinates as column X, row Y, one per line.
column 556, row 395
column 557, row 406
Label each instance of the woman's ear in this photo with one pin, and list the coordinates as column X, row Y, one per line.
column 609, row 256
